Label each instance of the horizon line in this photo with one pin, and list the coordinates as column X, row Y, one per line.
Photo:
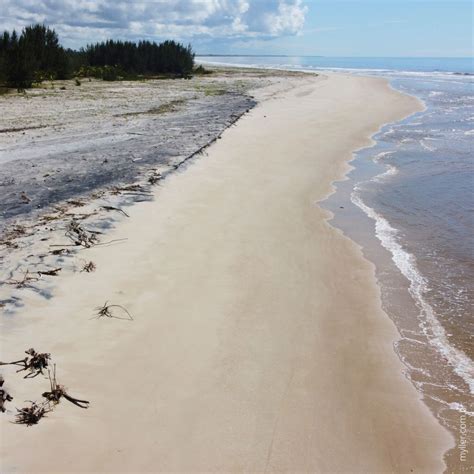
column 326, row 56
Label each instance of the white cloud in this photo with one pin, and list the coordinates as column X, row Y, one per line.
column 288, row 19
column 82, row 21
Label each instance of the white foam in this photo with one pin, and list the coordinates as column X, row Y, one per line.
column 406, row 263
column 452, row 405
column 426, row 146
column 444, row 76
column 460, row 407
column 383, row 154
column 391, row 171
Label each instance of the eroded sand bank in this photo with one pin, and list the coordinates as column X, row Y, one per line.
column 258, row 341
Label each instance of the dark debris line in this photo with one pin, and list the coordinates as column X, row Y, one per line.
column 165, row 140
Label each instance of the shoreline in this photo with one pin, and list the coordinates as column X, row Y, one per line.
column 258, row 383
column 402, row 283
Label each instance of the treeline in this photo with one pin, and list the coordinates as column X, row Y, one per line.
column 33, row 56
column 36, row 55
column 142, row 58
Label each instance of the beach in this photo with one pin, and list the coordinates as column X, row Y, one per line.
column 258, row 341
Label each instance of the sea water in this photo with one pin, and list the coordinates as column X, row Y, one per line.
column 409, row 202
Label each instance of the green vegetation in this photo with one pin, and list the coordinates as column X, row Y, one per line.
column 211, row 89
column 33, row 56
column 36, row 55
column 200, row 70
column 143, row 57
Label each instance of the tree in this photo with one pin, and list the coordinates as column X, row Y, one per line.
column 36, row 55
column 33, row 56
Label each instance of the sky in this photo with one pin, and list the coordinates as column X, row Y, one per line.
column 396, row 28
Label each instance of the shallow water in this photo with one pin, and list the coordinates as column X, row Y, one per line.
column 409, row 202
column 416, row 185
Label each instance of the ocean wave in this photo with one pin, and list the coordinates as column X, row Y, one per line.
column 452, row 405
column 406, row 263
column 426, row 146
column 391, row 171
column 443, row 76
column 382, row 155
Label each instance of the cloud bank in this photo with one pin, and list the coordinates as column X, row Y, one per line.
column 81, row 21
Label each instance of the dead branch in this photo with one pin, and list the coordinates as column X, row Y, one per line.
column 9, row 244
column 89, row 267
column 25, row 198
column 49, row 218
column 58, row 391
column 27, row 278
column 79, row 215
column 50, row 272
column 154, row 178
column 76, row 202
column 105, row 311
column 81, row 236
column 34, row 362
column 59, row 251
column 130, row 187
column 118, row 209
column 4, row 395
column 10, row 235
column 32, row 415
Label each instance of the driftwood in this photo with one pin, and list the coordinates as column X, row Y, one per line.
column 25, row 198
column 27, row 278
column 106, row 311
column 16, row 231
column 32, row 415
column 81, row 236
column 80, row 216
column 154, row 178
column 53, row 272
column 118, row 209
column 4, row 395
column 76, row 202
column 49, row 218
column 89, row 267
column 9, row 244
column 34, row 362
column 58, row 391
column 128, row 188
column 59, row 251
column 131, row 189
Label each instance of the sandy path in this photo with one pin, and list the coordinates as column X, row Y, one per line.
column 258, row 342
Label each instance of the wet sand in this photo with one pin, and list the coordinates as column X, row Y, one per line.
column 258, row 342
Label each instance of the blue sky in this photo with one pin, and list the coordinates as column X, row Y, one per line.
column 387, row 28
column 295, row 27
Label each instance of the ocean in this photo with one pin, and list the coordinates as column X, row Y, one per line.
column 409, row 203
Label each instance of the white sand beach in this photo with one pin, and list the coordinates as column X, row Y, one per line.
column 258, row 342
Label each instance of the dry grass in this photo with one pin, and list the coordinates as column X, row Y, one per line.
column 111, row 310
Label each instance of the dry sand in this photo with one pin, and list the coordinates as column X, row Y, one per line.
column 258, row 341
